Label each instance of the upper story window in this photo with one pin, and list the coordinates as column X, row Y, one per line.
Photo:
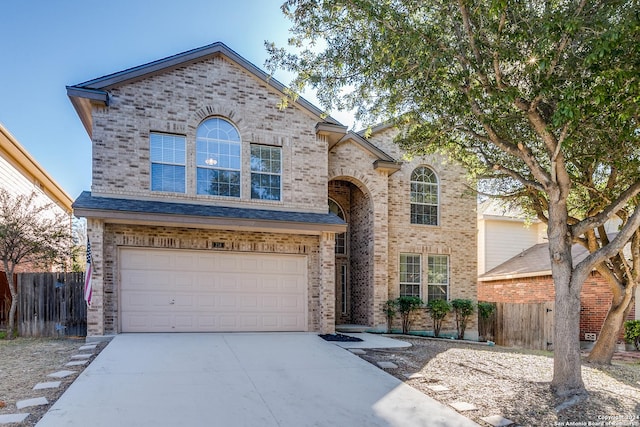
column 424, row 196
column 167, row 162
column 266, row 172
column 341, row 238
column 218, row 159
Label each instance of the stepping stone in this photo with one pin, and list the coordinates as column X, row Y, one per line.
column 52, row 384
column 61, row 374
column 77, row 363
column 12, row 418
column 438, row 388
column 413, row 376
column 497, row 421
column 81, row 356
column 464, row 406
column 387, row 365
column 88, row 347
column 357, row 351
column 36, row 401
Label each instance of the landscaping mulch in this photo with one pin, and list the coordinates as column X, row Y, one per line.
column 513, row 383
column 339, row 338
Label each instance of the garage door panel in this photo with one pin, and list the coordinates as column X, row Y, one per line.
column 212, row 291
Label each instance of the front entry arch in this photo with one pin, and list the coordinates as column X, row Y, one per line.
column 354, row 258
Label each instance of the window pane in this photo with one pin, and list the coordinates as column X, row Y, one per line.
column 167, row 178
column 424, row 196
column 217, row 182
column 438, row 276
column 265, row 176
column 167, row 153
column 410, row 275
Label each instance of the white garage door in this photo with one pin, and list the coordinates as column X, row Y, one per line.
column 201, row 291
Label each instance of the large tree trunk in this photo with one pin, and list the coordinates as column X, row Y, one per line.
column 567, row 364
column 605, row 345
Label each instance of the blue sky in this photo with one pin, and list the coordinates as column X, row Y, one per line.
column 47, row 45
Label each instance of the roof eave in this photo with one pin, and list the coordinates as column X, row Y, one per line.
column 144, row 218
column 82, row 99
column 390, row 167
column 493, row 278
column 367, row 145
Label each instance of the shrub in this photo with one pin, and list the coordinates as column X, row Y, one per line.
column 485, row 311
column 438, row 310
column 390, row 309
column 463, row 309
column 406, row 306
column 632, row 332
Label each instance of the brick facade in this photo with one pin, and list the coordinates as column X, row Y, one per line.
column 375, row 200
column 595, row 298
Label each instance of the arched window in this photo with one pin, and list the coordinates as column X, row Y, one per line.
column 218, row 159
column 424, row 196
column 341, row 239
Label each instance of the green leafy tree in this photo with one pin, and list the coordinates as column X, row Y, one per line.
column 29, row 233
column 463, row 309
column 406, row 306
column 438, row 310
column 538, row 99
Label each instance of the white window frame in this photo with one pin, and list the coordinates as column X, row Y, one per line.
column 417, row 282
column 446, row 283
column 165, row 137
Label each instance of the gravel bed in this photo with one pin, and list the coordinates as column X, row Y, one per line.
column 25, row 362
column 514, row 384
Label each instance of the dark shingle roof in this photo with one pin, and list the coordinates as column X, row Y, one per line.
column 86, row 203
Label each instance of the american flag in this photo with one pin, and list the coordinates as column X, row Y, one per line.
column 88, row 291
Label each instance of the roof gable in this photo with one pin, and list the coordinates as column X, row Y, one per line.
column 21, row 159
column 82, row 95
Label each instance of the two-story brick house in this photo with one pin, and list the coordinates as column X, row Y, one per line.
column 214, row 209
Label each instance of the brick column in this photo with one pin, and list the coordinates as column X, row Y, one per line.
column 327, row 283
column 95, row 314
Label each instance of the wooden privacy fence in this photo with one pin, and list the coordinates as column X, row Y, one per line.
column 51, row 305
column 527, row 326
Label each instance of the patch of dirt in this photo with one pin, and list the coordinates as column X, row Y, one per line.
column 513, row 383
column 25, row 362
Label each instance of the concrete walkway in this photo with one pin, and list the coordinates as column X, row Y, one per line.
column 266, row 379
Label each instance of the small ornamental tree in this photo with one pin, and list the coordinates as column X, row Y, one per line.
column 438, row 310
column 406, row 306
column 390, row 310
column 463, row 309
column 29, row 233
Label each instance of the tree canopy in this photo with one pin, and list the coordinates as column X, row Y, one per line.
column 539, row 99
column 30, row 232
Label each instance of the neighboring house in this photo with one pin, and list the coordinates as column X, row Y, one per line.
column 504, row 232
column 21, row 174
column 212, row 209
column 526, row 278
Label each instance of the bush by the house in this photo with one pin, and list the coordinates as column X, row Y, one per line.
column 390, row 310
column 405, row 306
column 632, row 332
column 463, row 309
column 438, row 310
column 485, row 311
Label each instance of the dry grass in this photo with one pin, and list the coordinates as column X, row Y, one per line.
column 25, row 362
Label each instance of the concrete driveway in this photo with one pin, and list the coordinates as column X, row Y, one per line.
column 241, row 379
